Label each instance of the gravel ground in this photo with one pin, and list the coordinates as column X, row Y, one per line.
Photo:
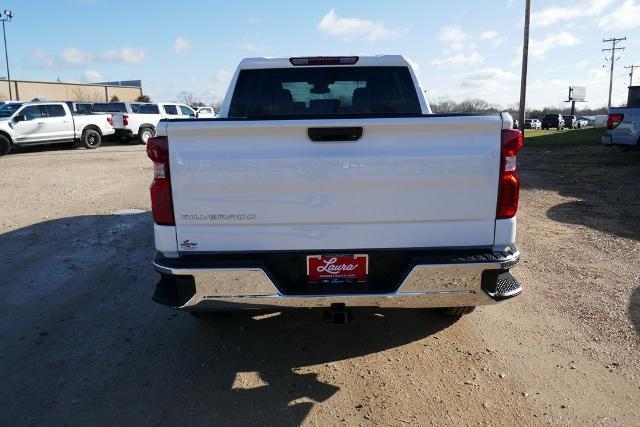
column 82, row 343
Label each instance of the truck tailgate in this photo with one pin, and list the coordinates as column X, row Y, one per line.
column 118, row 122
column 245, row 185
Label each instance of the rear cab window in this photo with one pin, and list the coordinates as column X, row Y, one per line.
column 148, row 109
column 186, row 111
column 319, row 91
column 55, row 110
column 110, row 107
column 172, row 110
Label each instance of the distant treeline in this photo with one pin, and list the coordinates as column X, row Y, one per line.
column 477, row 105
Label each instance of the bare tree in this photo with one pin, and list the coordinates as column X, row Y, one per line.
column 190, row 99
column 216, row 106
column 186, row 97
column 80, row 94
column 443, row 105
column 472, row 105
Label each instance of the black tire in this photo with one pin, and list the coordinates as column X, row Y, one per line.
column 5, row 145
column 144, row 134
column 91, row 138
column 456, row 311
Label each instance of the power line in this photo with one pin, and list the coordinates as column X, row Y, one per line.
column 631, row 67
column 614, row 47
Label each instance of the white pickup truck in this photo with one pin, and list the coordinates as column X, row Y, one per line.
column 142, row 123
column 34, row 123
column 327, row 182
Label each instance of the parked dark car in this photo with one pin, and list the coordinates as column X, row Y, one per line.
column 553, row 121
column 570, row 121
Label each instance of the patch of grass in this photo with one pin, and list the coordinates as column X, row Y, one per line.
column 589, row 136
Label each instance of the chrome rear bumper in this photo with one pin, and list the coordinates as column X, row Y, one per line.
column 194, row 286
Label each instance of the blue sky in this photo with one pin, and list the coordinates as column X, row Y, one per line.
column 460, row 49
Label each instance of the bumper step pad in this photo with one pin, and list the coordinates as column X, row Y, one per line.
column 506, row 287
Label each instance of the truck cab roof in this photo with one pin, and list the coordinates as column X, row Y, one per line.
column 323, row 61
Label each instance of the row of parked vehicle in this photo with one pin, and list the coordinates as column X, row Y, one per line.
column 57, row 122
column 557, row 121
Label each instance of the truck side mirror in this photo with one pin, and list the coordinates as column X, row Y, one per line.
column 20, row 118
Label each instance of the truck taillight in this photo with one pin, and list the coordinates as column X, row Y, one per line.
column 161, row 198
column 614, row 120
column 110, row 120
column 125, row 119
column 509, row 185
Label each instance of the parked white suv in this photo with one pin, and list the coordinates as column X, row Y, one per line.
column 143, row 122
column 33, row 123
column 205, row 113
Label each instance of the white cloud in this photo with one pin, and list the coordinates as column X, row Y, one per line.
column 126, row 54
column 458, row 59
column 72, row 57
column 487, row 76
column 580, row 65
column 224, row 76
column 452, row 34
column 218, row 88
column 181, row 45
column 250, row 47
column 493, row 37
column 356, row 28
column 622, row 17
column 600, row 74
column 92, row 76
column 580, row 9
column 414, row 65
column 538, row 48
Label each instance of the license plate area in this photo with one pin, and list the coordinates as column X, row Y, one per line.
column 337, row 269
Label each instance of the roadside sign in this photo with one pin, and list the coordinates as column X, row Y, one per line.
column 577, row 93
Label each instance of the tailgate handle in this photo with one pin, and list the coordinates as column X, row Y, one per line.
column 335, row 134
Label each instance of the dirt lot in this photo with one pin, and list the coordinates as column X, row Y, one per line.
column 81, row 342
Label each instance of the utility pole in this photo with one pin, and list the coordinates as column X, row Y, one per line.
column 631, row 67
column 6, row 16
column 614, row 46
column 525, row 61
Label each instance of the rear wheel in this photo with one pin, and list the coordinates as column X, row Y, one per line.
column 5, row 145
column 91, row 138
column 145, row 134
column 456, row 311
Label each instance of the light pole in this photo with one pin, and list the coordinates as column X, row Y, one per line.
column 6, row 16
